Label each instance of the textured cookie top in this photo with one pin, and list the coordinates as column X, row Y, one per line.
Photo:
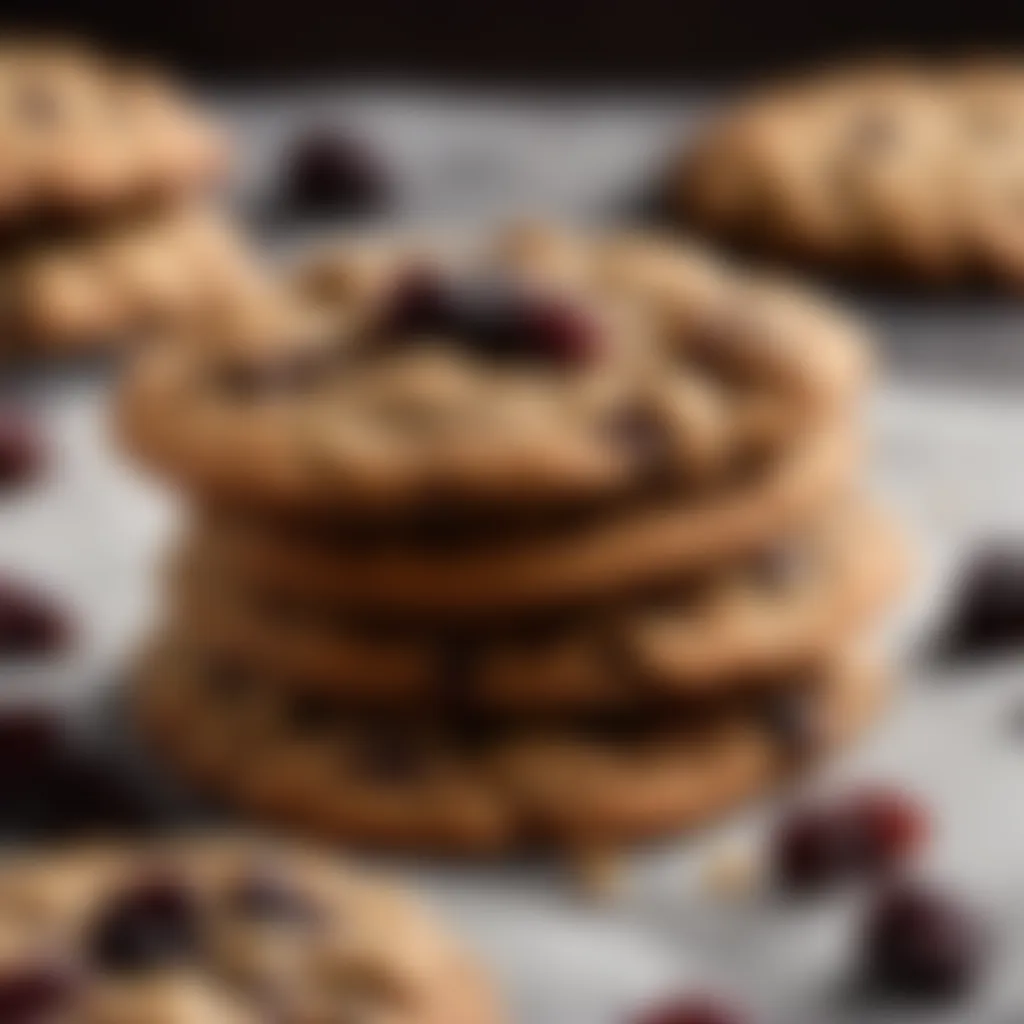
column 541, row 367
column 212, row 932
column 908, row 169
column 81, row 134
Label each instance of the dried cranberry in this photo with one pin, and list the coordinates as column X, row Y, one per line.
column 889, row 826
column 335, row 174
column 154, row 923
column 491, row 318
column 813, row 848
column 560, row 332
column 691, row 1010
column 21, row 451
column 989, row 609
column 871, row 831
column 29, row 624
column 510, row 323
column 919, row 942
column 489, row 315
column 35, row 994
column 421, row 302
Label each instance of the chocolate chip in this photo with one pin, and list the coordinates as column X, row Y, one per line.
column 153, row 924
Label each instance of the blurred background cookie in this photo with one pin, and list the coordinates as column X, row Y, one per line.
column 899, row 171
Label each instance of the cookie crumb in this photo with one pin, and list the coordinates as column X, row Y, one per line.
column 733, row 871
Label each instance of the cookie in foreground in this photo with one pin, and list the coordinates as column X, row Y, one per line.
column 222, row 929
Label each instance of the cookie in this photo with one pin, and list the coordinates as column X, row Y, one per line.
column 476, row 785
column 84, row 135
column 102, row 285
column 742, row 626
column 898, row 169
column 603, row 555
column 221, row 930
column 533, row 371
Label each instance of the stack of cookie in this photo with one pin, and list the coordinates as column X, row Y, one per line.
column 554, row 538
column 102, row 165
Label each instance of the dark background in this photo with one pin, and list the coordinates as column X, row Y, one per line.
column 640, row 41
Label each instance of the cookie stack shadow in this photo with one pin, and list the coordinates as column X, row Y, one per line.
column 568, row 550
column 105, row 224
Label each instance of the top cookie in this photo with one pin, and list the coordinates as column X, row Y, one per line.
column 910, row 170
column 541, row 368
column 81, row 135
column 216, row 931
